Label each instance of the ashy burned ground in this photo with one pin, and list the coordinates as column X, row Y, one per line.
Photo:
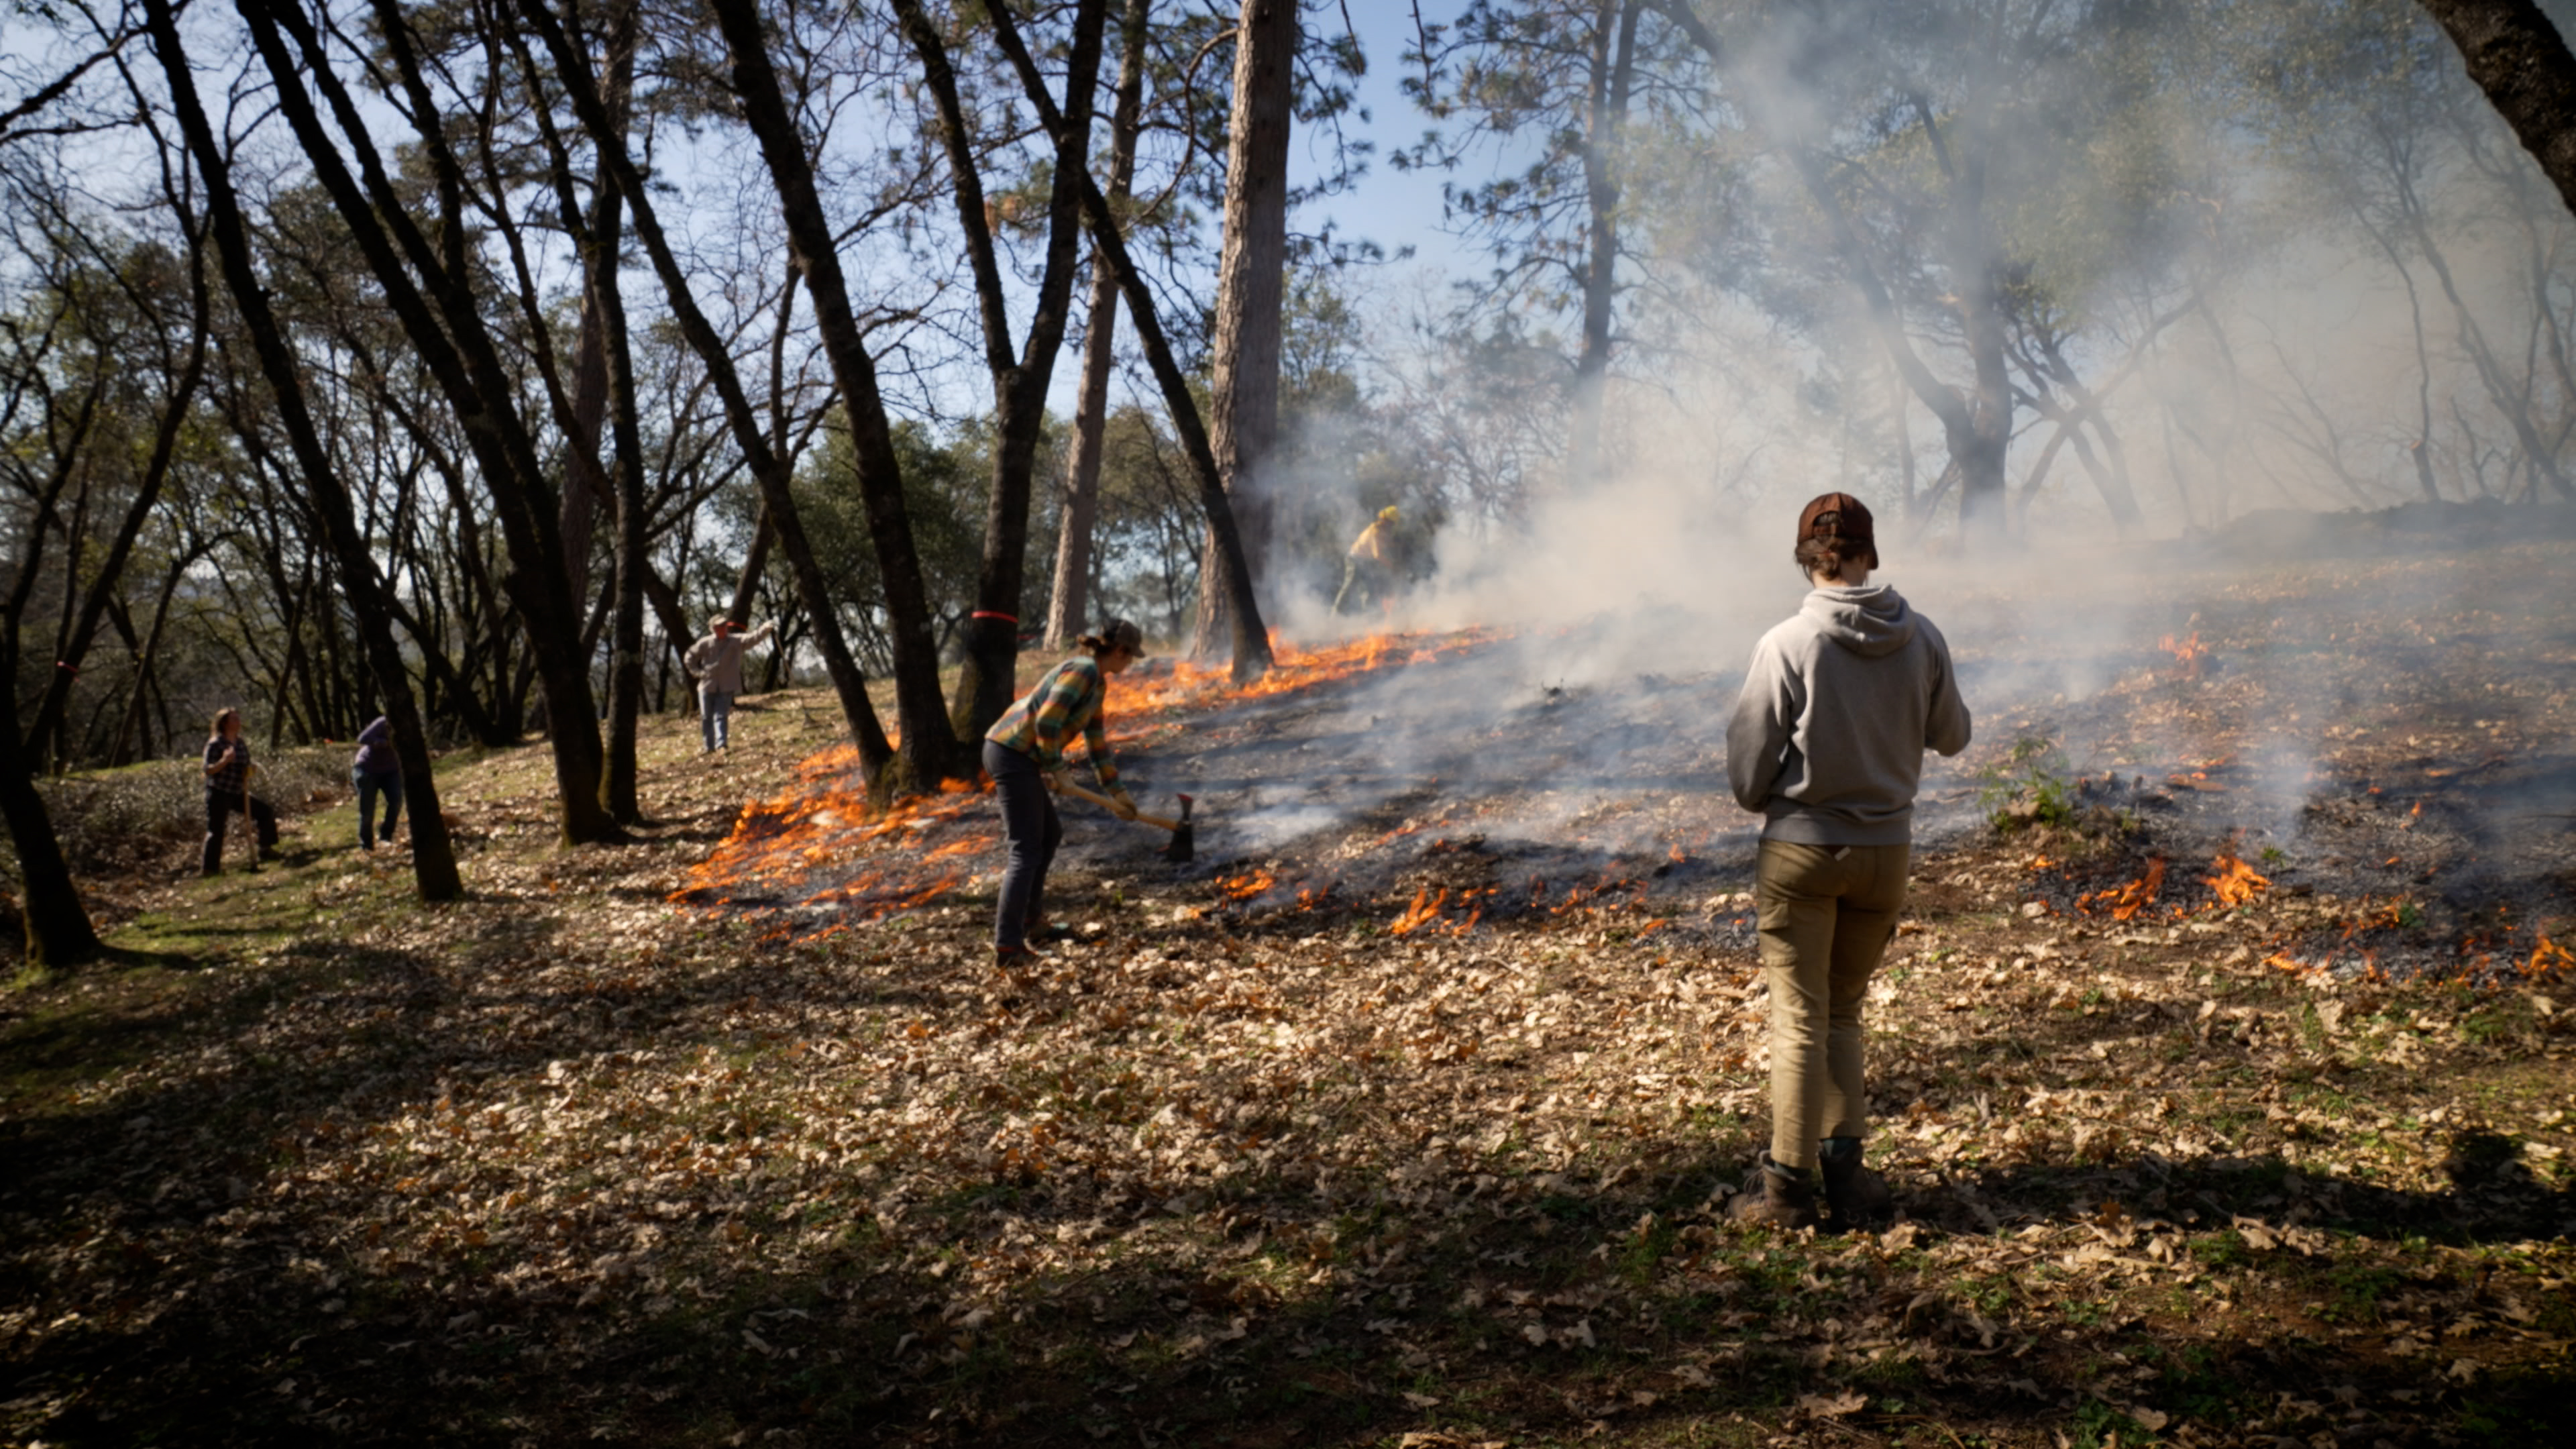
column 573, row 1160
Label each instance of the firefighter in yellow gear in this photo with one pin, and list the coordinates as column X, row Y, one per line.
column 1370, row 565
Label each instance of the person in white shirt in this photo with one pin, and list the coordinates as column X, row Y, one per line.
column 717, row 662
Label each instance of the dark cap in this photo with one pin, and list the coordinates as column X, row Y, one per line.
column 1840, row 514
column 1119, row 634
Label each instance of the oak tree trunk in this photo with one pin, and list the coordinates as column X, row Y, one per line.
column 768, row 469
column 2521, row 61
column 988, row 675
column 442, row 317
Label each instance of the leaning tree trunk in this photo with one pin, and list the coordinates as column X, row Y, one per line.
column 441, row 316
column 1251, row 638
column 768, row 469
column 928, row 748
column 58, row 928
column 433, row 855
column 1071, row 600
column 2517, row 56
column 1243, row 405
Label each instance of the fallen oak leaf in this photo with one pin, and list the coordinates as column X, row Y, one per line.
column 1849, row 1401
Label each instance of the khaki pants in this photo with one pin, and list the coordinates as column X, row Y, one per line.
column 1826, row 914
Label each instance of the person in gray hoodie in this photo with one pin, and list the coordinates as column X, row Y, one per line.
column 1827, row 742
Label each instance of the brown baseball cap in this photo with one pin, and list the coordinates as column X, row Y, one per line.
column 1119, row 634
column 1850, row 518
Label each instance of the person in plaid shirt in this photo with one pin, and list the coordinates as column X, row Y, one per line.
column 228, row 790
column 1024, row 753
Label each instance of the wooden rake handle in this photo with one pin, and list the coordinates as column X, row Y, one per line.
column 1102, row 801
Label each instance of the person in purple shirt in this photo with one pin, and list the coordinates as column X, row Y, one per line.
column 375, row 774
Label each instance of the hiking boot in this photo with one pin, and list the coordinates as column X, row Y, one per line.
column 1854, row 1195
column 1775, row 1196
column 1017, row 958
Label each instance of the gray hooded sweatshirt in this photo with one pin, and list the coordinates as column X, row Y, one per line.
column 1839, row 705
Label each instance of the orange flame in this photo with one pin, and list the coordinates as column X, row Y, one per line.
column 2190, row 654
column 2550, row 959
column 1140, row 703
column 1250, row 886
column 822, row 820
column 2235, row 882
column 1424, row 910
column 2124, row 902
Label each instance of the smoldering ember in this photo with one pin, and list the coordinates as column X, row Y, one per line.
column 1465, row 725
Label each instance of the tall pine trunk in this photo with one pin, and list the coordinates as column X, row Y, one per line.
column 1243, row 410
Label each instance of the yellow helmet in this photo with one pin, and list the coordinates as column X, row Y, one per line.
column 1387, row 514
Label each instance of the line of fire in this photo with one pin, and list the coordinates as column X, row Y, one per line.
column 2393, row 784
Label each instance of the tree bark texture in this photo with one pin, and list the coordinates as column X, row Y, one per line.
column 607, row 304
column 58, row 928
column 1252, row 656
column 433, row 853
column 988, row 677
column 1252, row 267
column 928, row 748
column 2521, row 61
column 1070, row 603
column 768, row 469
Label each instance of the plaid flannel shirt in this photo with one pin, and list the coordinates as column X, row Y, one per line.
column 1044, row 720
column 230, row 779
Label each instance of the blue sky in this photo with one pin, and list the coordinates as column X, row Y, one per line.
column 1392, row 208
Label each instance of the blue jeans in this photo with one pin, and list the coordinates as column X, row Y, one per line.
column 370, row 787
column 1030, row 826
column 715, row 717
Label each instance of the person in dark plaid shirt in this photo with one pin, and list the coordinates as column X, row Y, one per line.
column 1024, row 753
column 227, row 790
